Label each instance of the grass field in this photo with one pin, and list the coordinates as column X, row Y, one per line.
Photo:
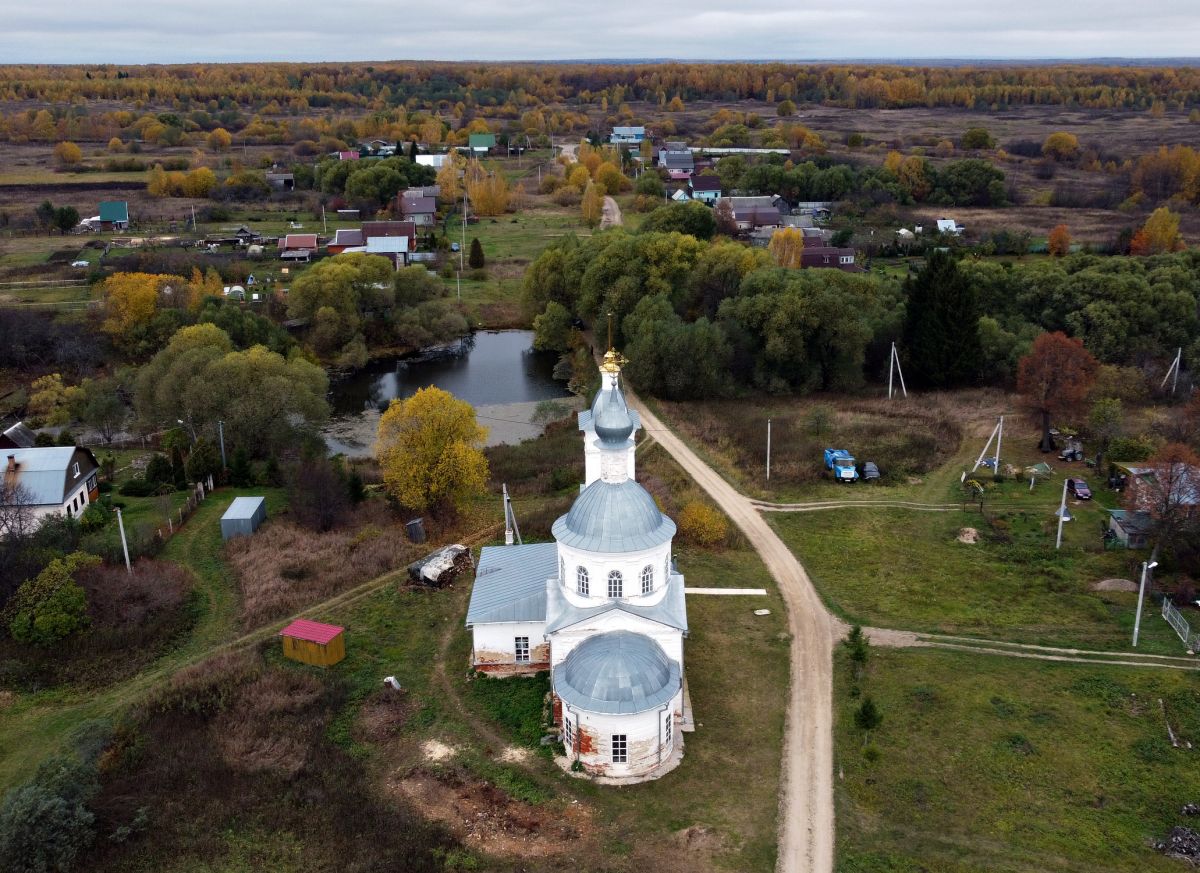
column 1010, row 766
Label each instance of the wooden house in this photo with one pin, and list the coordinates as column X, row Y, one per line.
column 312, row 642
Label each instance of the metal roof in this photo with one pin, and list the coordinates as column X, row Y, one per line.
column 510, row 583
column 243, row 507
column 311, row 631
column 114, row 210
column 44, row 473
column 390, row 245
column 614, row 517
column 476, row 140
column 629, row 131
column 617, row 673
column 347, row 236
column 585, row 420
column 611, row 418
column 670, row 611
column 21, row 435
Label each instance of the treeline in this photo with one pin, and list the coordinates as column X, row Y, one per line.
column 302, row 87
column 705, row 318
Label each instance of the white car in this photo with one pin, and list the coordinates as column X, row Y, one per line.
column 81, row 263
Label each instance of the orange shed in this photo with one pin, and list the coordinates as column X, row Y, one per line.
column 314, row 643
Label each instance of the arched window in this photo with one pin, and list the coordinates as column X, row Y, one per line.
column 581, row 579
column 562, row 571
column 615, row 584
column 647, row 579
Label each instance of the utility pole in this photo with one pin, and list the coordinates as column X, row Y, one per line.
column 999, row 438
column 324, row 225
column 463, row 246
column 768, row 450
column 221, row 433
column 1062, row 515
column 894, row 367
column 1137, row 619
column 1173, row 369
column 124, row 544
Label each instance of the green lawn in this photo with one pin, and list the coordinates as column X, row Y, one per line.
column 906, row 569
column 1010, row 766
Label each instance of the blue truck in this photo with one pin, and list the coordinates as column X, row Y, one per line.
column 841, row 463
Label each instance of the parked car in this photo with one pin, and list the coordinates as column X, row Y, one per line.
column 870, row 472
column 1078, row 489
column 81, row 263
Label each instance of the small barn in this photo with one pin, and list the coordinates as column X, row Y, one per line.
column 312, row 642
column 243, row 517
column 1131, row 529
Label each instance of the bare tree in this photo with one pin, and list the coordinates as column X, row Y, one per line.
column 16, row 511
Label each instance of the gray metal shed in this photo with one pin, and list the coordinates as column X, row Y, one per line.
column 243, row 517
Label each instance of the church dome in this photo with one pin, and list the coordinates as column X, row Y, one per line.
column 614, row 517
column 611, row 418
column 619, row 672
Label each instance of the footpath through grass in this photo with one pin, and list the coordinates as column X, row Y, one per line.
column 1008, row 766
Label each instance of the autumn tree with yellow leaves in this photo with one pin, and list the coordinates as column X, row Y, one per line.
column 67, row 154
column 1160, row 234
column 488, row 192
column 787, row 247
column 591, row 208
column 1059, row 241
column 429, row 448
column 449, row 177
column 131, row 299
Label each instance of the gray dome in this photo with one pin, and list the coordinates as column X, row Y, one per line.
column 610, row 417
column 614, row 517
column 618, row 672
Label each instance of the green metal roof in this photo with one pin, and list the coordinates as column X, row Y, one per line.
column 114, row 210
column 481, row 140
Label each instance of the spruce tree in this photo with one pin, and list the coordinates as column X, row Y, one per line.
column 412, row 151
column 475, row 259
column 941, row 330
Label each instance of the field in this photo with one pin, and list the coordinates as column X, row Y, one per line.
column 996, row 764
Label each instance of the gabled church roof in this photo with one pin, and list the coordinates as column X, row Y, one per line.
column 510, row 583
column 670, row 611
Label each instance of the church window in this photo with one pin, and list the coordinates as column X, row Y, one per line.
column 568, row 733
column 647, row 579
column 667, row 728
column 522, row 649
column 620, row 749
column 562, row 571
column 615, row 584
column 581, row 580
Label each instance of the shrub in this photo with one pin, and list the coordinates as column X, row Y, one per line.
column 867, row 716
column 1135, row 448
column 45, row 824
column 703, row 525
column 138, row 487
column 158, row 470
column 51, row 606
column 93, row 518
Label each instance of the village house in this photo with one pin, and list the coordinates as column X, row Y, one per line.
column 419, row 210
column 435, row 161
column 602, row 607
column 18, row 436
column 348, row 155
column 1131, row 529
column 281, row 181
column 706, row 189
column 829, row 257
column 676, row 158
column 345, row 238
column 481, row 143
column 1146, row 490
column 950, row 226
column 57, row 480
column 751, row 213
column 114, row 215
column 632, row 135
column 298, row 247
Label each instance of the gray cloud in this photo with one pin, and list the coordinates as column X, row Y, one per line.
column 162, row 31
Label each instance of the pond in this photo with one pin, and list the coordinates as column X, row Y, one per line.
column 497, row 372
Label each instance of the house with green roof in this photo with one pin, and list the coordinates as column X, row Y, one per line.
column 481, row 143
column 114, row 214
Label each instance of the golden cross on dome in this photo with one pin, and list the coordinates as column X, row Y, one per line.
column 613, row 360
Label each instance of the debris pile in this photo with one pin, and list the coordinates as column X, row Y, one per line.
column 442, row 567
column 1182, row 843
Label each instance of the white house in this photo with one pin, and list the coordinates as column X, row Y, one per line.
column 435, row 161
column 56, row 480
column 628, row 135
column 602, row 607
column 949, row 225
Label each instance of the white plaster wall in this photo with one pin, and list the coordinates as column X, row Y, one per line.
column 495, row 642
column 649, row 736
column 564, row 641
column 600, row 564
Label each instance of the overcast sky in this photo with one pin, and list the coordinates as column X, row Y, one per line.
column 173, row 31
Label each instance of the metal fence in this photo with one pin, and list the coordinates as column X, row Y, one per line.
column 1175, row 618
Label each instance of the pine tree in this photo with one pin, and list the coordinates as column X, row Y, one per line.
column 412, row 151
column 941, row 331
column 475, row 259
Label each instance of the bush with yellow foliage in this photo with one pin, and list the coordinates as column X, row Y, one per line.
column 701, row 524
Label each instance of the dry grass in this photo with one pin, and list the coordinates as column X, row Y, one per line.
column 284, row 567
column 272, row 724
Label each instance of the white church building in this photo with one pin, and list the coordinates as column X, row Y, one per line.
column 602, row 607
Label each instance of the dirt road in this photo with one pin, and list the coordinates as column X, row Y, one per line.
column 806, row 799
column 611, row 217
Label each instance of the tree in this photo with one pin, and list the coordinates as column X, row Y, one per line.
column 115, row 145
column 787, row 247
column 45, row 213
column 45, row 824
column 1105, row 422
column 219, row 140
column 51, row 606
column 49, row 400
column 725, row 221
column 203, row 461
column 941, row 331
column 131, row 300
column 1160, row 234
column 1055, row 377
column 977, row 138
column 868, row 717
column 1061, row 146
column 1059, row 241
column 591, row 208
column 649, row 184
column 97, row 403
column 412, row 150
column 488, row 192
column 785, row 109
column 449, row 178
column 692, row 218
column 67, row 154
column 65, row 218
column 429, row 448
column 552, row 328
column 475, row 259
column 317, row 493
